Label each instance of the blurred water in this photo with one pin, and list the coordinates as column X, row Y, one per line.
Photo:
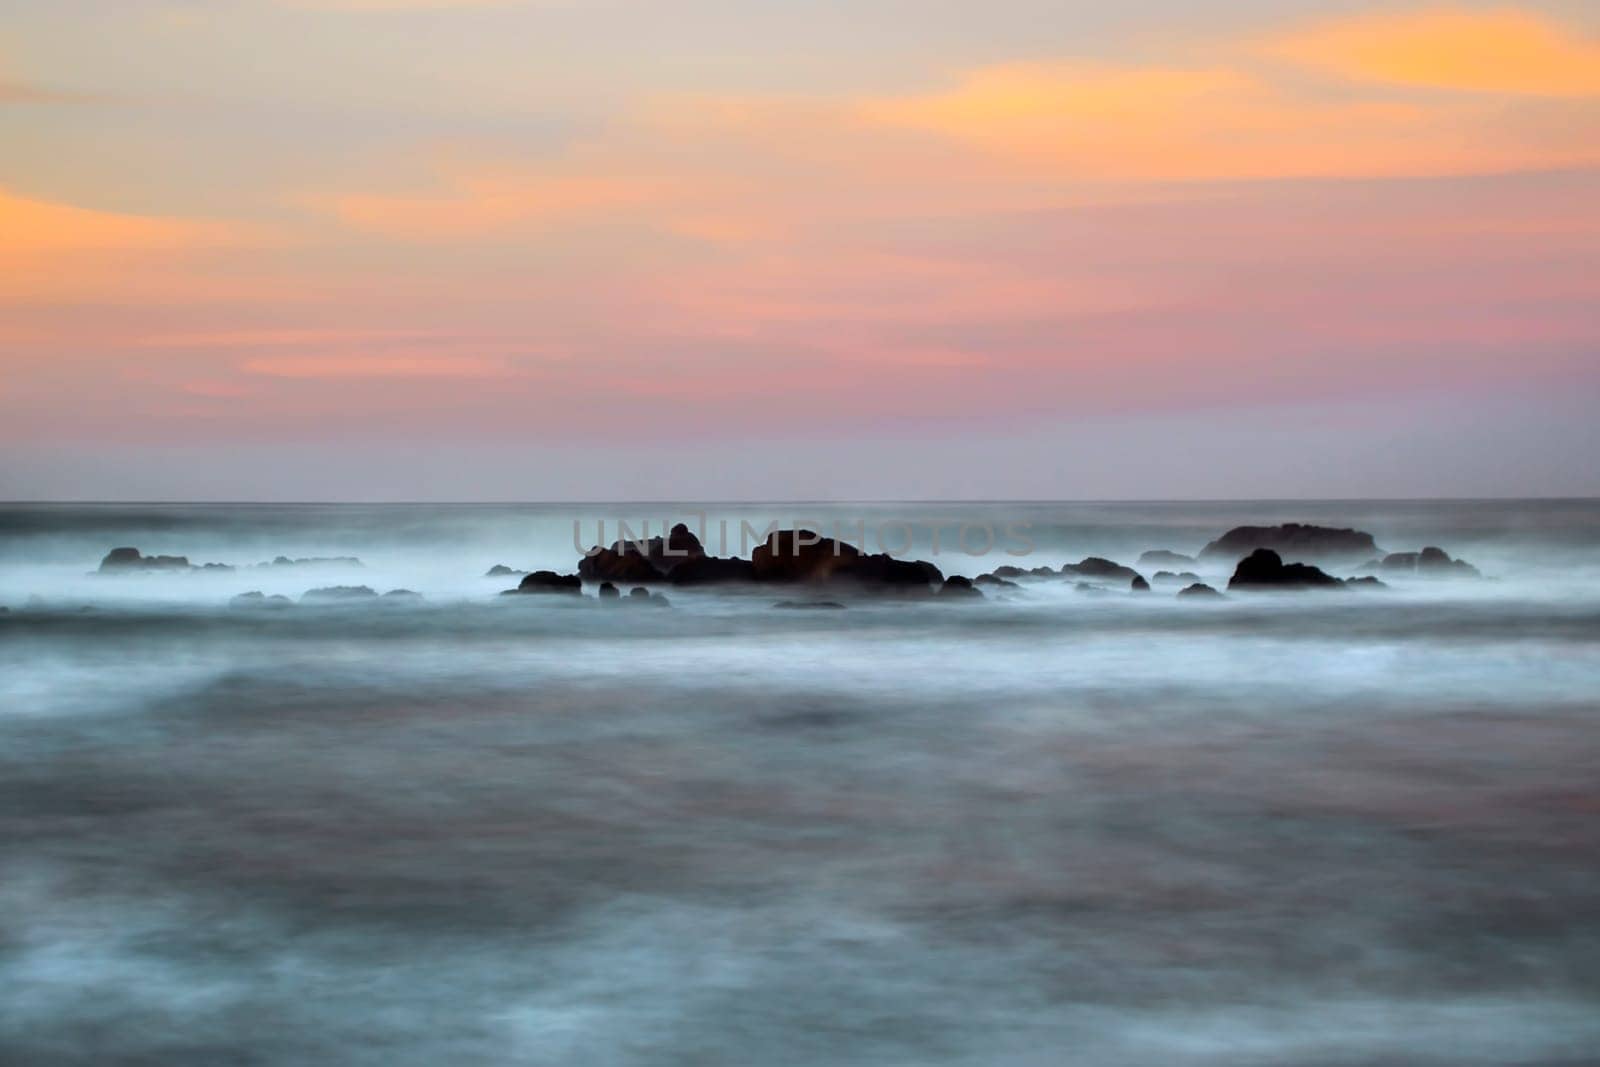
column 1312, row 829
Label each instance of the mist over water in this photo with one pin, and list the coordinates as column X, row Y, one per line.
column 1318, row 828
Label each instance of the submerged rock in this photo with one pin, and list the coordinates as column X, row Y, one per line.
column 1160, row 557
column 1265, row 569
column 1138, row 585
column 402, row 594
column 995, row 580
column 1294, row 540
column 550, row 582
column 500, row 570
column 1201, row 590
column 1168, row 578
column 809, row 605
column 313, row 561
column 608, row 591
column 340, row 592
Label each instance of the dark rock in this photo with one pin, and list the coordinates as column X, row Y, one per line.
column 1294, row 540
column 1044, row 572
column 1200, row 589
column 640, row 596
column 1265, row 569
column 500, row 570
column 609, row 591
column 809, row 605
column 1431, row 562
column 958, row 586
column 1367, row 581
column 402, row 594
column 129, row 559
column 791, row 556
column 1138, row 585
column 639, row 592
column 646, row 560
column 712, row 570
column 340, row 592
column 1009, row 571
column 314, row 561
column 1160, row 557
column 551, row 582
column 995, row 581
column 257, row 599
column 1168, row 578
column 1097, row 567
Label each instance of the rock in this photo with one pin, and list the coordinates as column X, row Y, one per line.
column 1295, row 540
column 957, row 586
column 649, row 560
column 340, row 592
column 500, row 570
column 1160, row 557
column 1431, row 562
column 1008, row 571
column 791, row 556
column 609, row 591
column 402, row 594
column 1096, row 567
column 1044, row 572
column 996, row 581
column 551, row 582
column 1168, row 578
column 809, row 605
column 313, row 561
column 1265, row 569
column 129, row 559
column 1138, row 585
column 638, row 592
column 257, row 599
column 712, row 570
column 639, row 595
column 1201, row 590
column 1368, row 580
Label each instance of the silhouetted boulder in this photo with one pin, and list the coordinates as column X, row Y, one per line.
column 1367, row 581
column 1097, row 567
column 958, row 586
column 333, row 593
column 792, row 556
column 129, row 559
column 500, row 570
column 1200, row 590
column 551, row 582
column 257, row 599
column 1294, row 540
column 1265, row 569
column 1160, row 557
column 995, row 581
column 1009, row 571
column 1138, row 585
column 1168, row 578
column 1043, row 572
column 646, row 560
column 712, row 570
column 1431, row 562
column 608, row 591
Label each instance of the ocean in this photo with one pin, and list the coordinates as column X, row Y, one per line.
column 1054, row 826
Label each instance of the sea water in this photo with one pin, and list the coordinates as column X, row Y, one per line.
column 1049, row 827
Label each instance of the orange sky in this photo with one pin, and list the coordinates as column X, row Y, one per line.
column 556, row 225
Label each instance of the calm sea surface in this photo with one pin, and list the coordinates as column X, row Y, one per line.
column 1319, row 829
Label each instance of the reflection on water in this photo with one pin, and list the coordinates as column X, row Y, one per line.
column 1304, row 830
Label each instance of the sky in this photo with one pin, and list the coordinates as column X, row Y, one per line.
column 764, row 249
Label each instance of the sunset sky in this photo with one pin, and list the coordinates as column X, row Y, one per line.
column 601, row 249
